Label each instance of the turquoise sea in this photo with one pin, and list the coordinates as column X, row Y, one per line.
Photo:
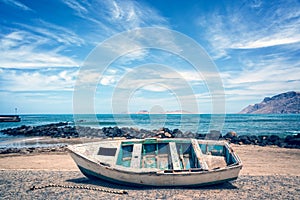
column 243, row 124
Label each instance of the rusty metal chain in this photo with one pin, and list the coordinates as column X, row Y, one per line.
column 79, row 187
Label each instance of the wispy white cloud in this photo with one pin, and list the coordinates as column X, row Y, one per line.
column 38, row 80
column 156, row 85
column 44, row 44
column 21, row 50
column 132, row 14
column 245, row 26
column 77, row 6
column 280, row 39
column 17, row 4
column 53, row 33
column 115, row 16
column 48, row 41
column 149, row 77
column 37, row 47
column 151, row 96
column 255, row 3
column 267, row 78
column 143, row 100
column 108, row 80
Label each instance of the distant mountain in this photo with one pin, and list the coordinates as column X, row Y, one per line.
column 288, row 102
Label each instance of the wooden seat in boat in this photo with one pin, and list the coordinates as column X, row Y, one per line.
column 136, row 156
column 199, row 154
column 174, row 156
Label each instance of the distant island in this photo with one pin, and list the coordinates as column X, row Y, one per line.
column 167, row 112
column 288, row 102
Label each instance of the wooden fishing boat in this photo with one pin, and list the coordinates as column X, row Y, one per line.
column 158, row 162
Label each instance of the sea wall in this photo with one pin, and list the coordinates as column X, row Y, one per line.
column 63, row 130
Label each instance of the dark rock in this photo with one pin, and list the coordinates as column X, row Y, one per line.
column 244, row 139
column 288, row 138
column 9, row 150
column 274, row 140
column 262, row 138
column 263, row 143
column 177, row 133
column 293, row 141
column 235, row 140
column 200, row 136
column 253, row 139
column 230, row 135
column 165, row 130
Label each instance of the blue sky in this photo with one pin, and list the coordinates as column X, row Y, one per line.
column 254, row 44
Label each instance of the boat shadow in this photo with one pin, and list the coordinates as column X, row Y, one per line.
column 103, row 183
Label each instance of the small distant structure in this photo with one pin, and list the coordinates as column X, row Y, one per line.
column 10, row 118
column 143, row 112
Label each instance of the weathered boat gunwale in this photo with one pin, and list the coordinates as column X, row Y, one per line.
column 125, row 169
column 160, row 140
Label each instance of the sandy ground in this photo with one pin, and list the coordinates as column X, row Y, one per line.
column 257, row 161
column 268, row 173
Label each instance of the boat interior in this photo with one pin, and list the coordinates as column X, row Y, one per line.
column 175, row 155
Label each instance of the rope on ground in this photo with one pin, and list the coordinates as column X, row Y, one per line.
column 35, row 187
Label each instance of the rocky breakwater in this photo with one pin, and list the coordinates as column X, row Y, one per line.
column 130, row 133
column 56, row 130
column 63, row 130
column 290, row 141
